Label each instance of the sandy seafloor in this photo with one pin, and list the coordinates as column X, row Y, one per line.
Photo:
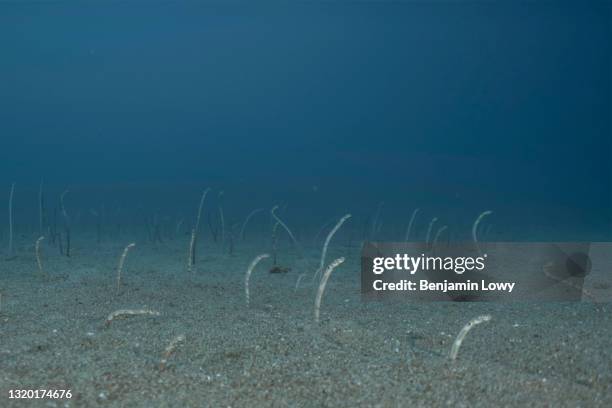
column 387, row 354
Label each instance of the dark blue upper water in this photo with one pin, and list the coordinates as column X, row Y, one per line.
column 453, row 107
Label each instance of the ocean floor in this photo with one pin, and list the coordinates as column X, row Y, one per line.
column 53, row 335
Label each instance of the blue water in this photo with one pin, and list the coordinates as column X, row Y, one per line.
column 323, row 108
